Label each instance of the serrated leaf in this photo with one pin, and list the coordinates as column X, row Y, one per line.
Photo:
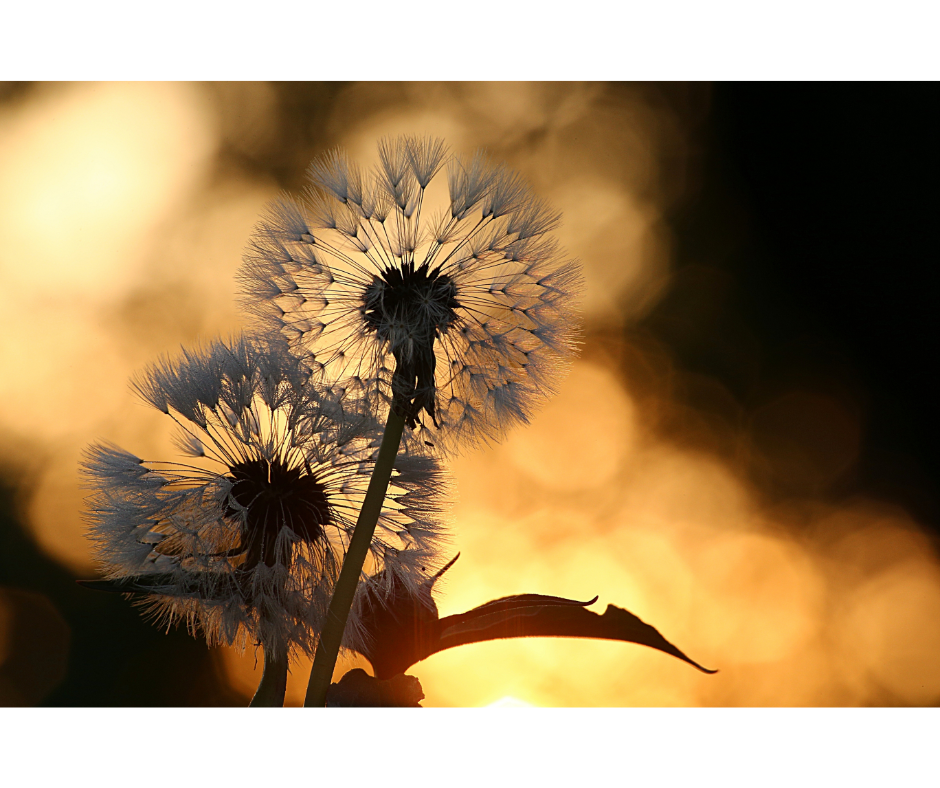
column 570, row 620
column 405, row 631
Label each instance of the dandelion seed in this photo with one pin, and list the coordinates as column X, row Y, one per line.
column 475, row 305
column 244, row 540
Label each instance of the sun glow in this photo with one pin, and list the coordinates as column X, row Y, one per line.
column 509, row 702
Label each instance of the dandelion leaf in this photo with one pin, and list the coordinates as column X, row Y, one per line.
column 408, row 638
column 503, row 619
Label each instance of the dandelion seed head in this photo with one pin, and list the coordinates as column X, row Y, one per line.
column 463, row 317
column 243, row 540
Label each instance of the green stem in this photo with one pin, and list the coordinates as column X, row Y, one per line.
column 273, row 682
column 325, row 659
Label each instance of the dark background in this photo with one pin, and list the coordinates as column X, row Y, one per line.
column 813, row 232
column 805, row 252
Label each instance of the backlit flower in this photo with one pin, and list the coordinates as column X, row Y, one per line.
column 245, row 539
column 446, row 295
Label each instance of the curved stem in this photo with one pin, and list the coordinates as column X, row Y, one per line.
column 325, row 660
column 273, row 684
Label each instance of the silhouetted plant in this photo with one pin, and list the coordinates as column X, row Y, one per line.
column 451, row 330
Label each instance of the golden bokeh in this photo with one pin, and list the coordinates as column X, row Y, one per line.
column 119, row 240
column 581, row 437
column 87, row 173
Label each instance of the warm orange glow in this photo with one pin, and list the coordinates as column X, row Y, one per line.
column 119, row 240
column 891, row 623
column 86, row 173
column 581, row 437
column 510, row 702
column 607, row 224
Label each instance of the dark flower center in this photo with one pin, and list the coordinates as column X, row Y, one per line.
column 276, row 496
column 420, row 300
column 409, row 308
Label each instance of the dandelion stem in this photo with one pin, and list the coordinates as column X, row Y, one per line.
column 325, row 659
column 273, row 682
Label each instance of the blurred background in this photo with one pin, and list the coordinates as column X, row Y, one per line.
column 743, row 456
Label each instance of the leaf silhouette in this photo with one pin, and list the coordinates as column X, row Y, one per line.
column 517, row 619
column 405, row 629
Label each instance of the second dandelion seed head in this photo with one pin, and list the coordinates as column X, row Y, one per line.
column 244, row 540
